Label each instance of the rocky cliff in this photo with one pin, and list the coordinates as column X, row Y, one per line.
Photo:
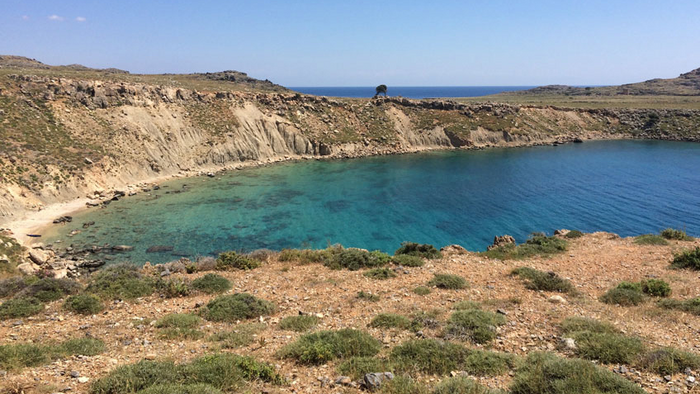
column 64, row 138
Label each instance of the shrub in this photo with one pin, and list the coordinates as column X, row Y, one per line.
column 687, row 259
column 537, row 245
column 574, row 234
column 625, row 294
column 690, row 306
column 435, row 357
column 172, row 288
column 303, row 256
column 233, row 260
column 678, row 235
column 422, row 290
column 668, row 361
column 543, row 281
column 241, row 335
column 390, row 320
column 465, row 305
column 408, row 260
column 547, row 373
column 120, row 281
column 211, row 284
column 403, row 385
column 20, row 307
column 22, row 355
column 423, row 319
column 236, row 307
column 198, row 388
column 15, row 284
column 575, row 324
column 323, row 346
column 607, row 347
column 474, row 325
column 448, row 281
column 650, row 239
column 357, row 367
column 420, row 250
column 380, row 273
column 362, row 295
column 354, row 259
column 656, row 288
column 82, row 347
column 50, row 289
column 219, row 371
column 84, row 304
column 380, row 258
column 299, row 323
column 462, row 385
column 179, row 325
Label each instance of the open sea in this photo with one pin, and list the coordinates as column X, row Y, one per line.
column 442, row 198
column 414, row 92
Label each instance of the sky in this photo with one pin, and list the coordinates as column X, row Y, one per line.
column 366, row 43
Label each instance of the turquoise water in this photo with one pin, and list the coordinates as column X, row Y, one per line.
column 456, row 197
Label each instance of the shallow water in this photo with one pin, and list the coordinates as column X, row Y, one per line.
column 456, row 197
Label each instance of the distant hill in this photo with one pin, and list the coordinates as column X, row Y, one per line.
column 687, row 84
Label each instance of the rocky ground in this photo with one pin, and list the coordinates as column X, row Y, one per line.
column 594, row 263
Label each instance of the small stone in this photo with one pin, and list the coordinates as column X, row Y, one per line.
column 501, row 312
column 74, row 374
column 568, row 344
column 667, row 378
column 373, row 381
column 150, row 357
column 83, row 379
column 343, row 381
column 691, row 379
column 557, row 299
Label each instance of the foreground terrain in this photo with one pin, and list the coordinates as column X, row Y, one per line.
column 517, row 320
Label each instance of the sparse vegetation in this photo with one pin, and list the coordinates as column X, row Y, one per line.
column 448, row 281
column 601, row 341
column 121, row 281
column 537, row 245
column 678, row 235
column 324, row 346
column 20, row 307
column 49, row 289
column 543, row 281
column 172, row 288
column 357, row 367
column 689, row 259
column 211, row 284
column 303, row 256
column 426, row 251
column 17, row 356
column 408, row 260
column 668, row 361
column 15, row 284
column 422, row 290
column 390, row 320
column 691, row 306
column 462, row 385
column 650, row 239
column 232, row 260
column 299, row 323
column 547, row 373
column 179, row 325
column 473, row 325
column 84, row 304
column 241, row 335
column 625, row 294
column 465, row 305
column 578, row 324
column 380, row 273
column 363, row 295
column 234, row 307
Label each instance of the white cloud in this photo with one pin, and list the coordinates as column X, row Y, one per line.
column 25, row 17
column 55, row 18
column 80, row 19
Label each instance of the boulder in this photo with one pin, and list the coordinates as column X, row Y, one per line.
column 374, row 380
column 557, row 299
column 453, row 249
column 561, row 232
column 501, row 241
column 39, row 256
column 27, row 268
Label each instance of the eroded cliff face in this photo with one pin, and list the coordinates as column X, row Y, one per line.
column 63, row 139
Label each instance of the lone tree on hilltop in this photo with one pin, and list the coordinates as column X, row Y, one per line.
column 381, row 89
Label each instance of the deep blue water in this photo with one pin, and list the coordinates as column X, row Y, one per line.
column 455, row 197
column 414, row 92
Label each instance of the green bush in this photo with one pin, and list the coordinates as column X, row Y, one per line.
column 462, row 385
column 656, row 288
column 422, row 290
column 12, row 286
column 625, row 294
column 574, row 234
column 49, row 289
column 607, row 347
column 211, row 284
column 120, row 281
column 403, row 385
column 232, row 260
column 299, row 323
column 687, row 259
column 179, row 325
column 423, row 319
column 324, row 346
column 465, row 305
column 678, row 235
column 543, row 281
column 354, row 259
column 81, row 347
column 536, row 245
column 84, row 304
column 173, row 288
column 691, row 306
column 436, row 357
column 225, row 372
column 650, row 239
column 241, row 335
column 20, row 307
column 303, row 256
column 474, row 325
column 380, row 273
column 668, row 361
column 198, row 388
column 357, row 367
column 448, row 281
column 390, row 320
column 426, row 251
column 576, row 324
column 547, row 373
column 17, row 356
column 236, row 307
column 408, row 260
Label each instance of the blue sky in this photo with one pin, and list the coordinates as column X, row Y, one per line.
column 351, row 43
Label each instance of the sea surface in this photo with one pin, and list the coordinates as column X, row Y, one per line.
column 442, row 198
column 414, row 92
